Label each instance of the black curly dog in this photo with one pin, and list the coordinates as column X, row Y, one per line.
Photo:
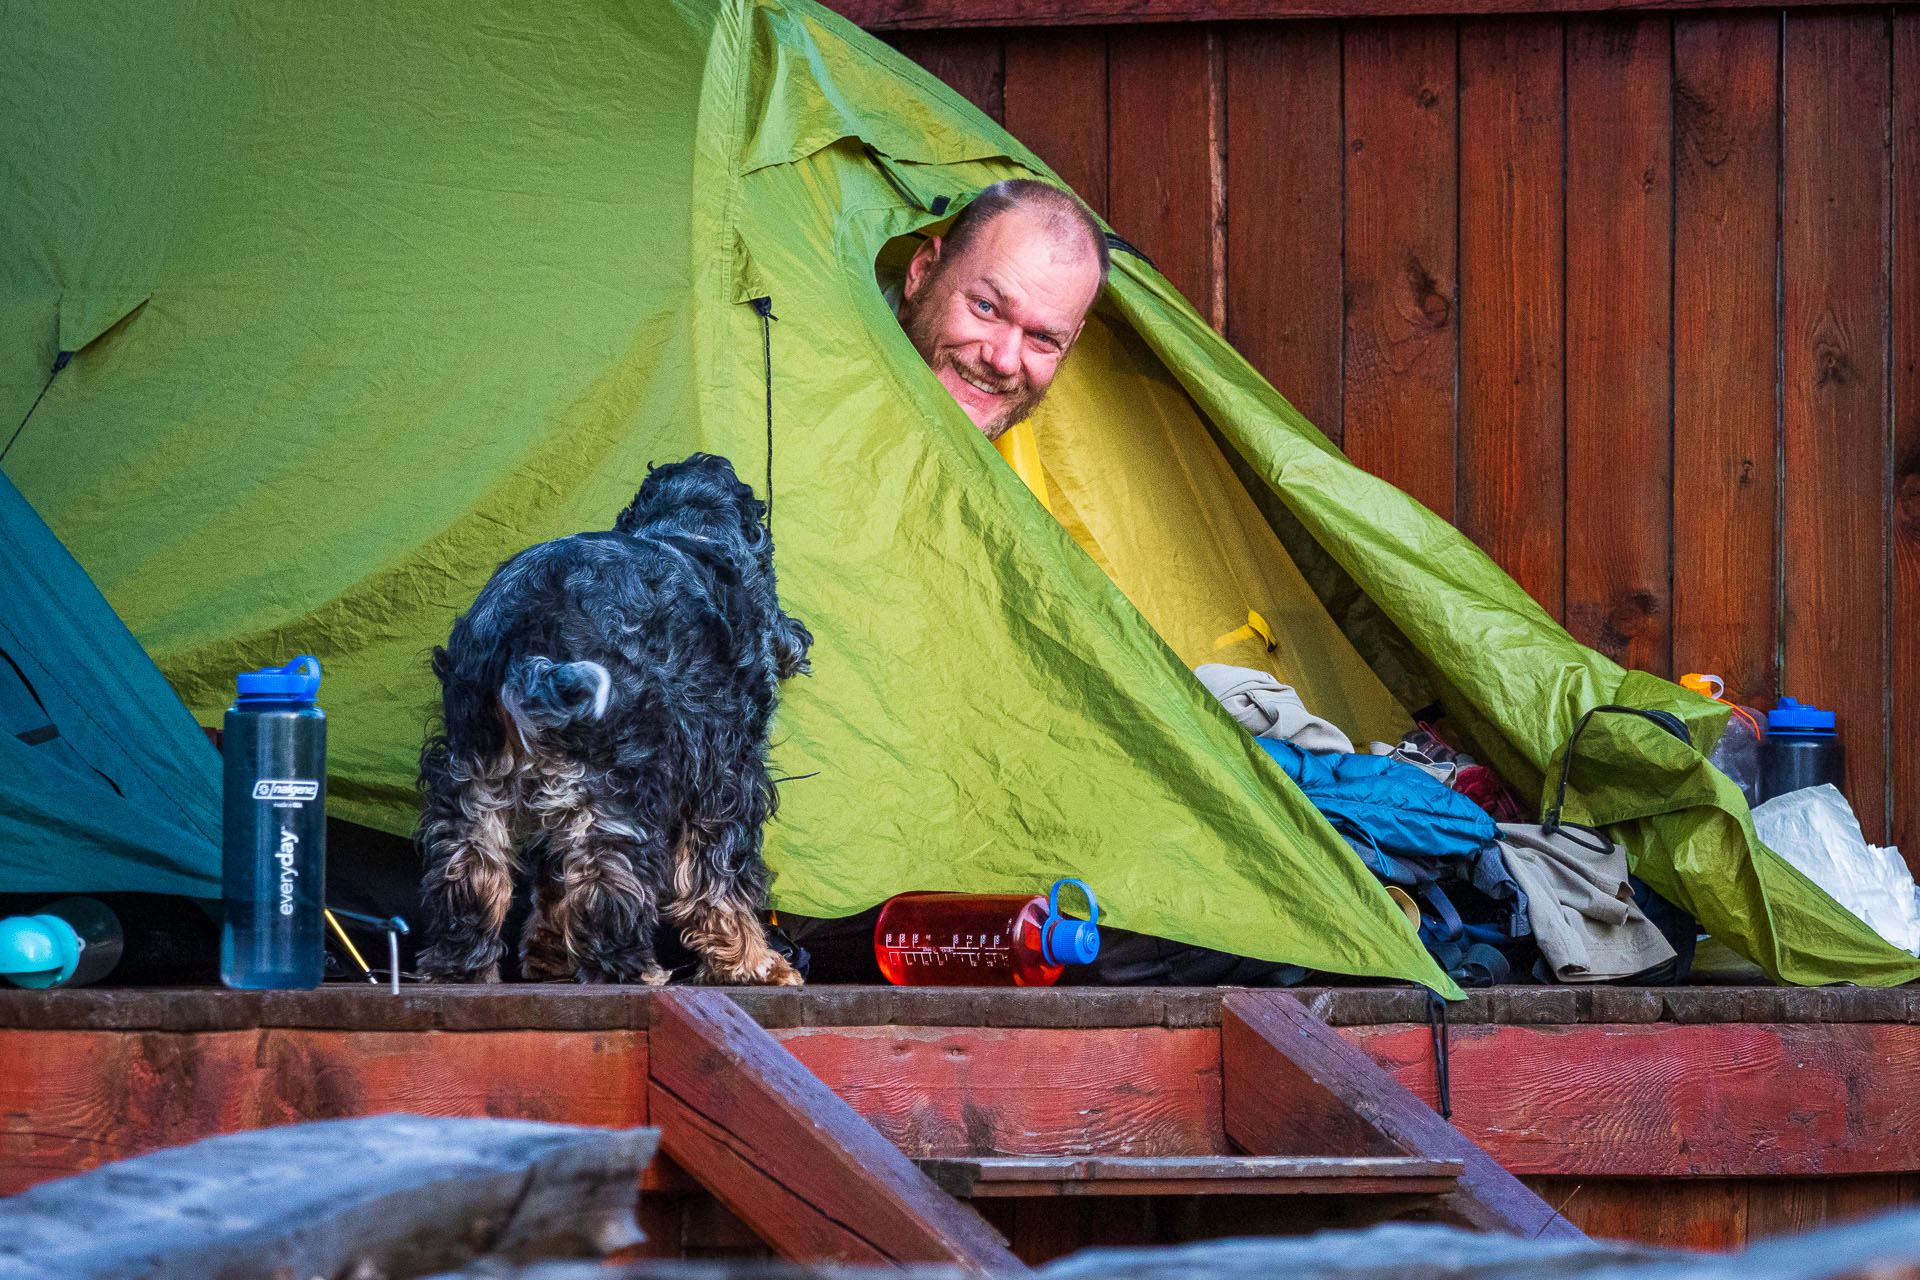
column 606, row 705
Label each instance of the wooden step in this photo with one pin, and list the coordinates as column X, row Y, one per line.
column 995, row 1176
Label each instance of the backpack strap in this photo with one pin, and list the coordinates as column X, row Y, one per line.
column 1550, row 821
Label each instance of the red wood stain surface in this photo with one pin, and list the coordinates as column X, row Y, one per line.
column 978, row 1091
column 1906, row 439
column 1713, row 1100
column 1159, row 184
column 1619, row 412
column 1835, row 100
column 1400, row 264
column 1768, row 1128
column 1283, row 175
column 1725, row 286
column 1056, row 103
column 73, row 1100
column 1512, row 469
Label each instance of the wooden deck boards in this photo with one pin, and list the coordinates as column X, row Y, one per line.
column 566, row 1007
column 1792, row 1106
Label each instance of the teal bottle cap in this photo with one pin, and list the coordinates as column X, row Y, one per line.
column 298, row 681
column 38, row 951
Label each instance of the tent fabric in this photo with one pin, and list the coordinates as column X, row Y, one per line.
column 106, row 782
column 396, row 292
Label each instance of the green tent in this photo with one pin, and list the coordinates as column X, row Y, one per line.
column 362, row 299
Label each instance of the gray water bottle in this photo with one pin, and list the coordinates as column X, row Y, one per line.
column 274, row 836
column 1803, row 749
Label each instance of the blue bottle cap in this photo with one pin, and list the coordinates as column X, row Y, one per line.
column 298, row 681
column 38, row 951
column 1065, row 941
column 1794, row 717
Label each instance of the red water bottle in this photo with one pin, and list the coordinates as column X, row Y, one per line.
column 982, row 939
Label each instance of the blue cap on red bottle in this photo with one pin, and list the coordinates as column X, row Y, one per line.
column 1065, row 941
column 298, row 681
column 1794, row 717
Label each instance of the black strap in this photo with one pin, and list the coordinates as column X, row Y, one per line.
column 59, row 363
column 1550, row 822
column 763, row 307
column 1442, row 1052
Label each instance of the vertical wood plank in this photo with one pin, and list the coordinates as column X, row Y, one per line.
column 1725, row 374
column 1619, row 426
column 1283, row 211
column 1835, row 365
column 1401, row 237
column 1787, row 1206
column 1512, row 414
column 1906, row 399
column 970, row 62
column 1700, row 1213
column 1056, row 103
column 1159, row 165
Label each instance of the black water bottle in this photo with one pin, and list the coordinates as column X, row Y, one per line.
column 274, row 836
column 1802, row 749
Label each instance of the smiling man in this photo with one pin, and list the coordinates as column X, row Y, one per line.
column 994, row 305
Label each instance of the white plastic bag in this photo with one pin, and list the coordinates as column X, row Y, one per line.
column 1814, row 829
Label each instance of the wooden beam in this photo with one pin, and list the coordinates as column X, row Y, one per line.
column 786, row 1155
column 908, row 15
column 1034, row 1176
column 973, row 1091
column 1704, row 1101
column 95, row 1096
column 1276, row 1056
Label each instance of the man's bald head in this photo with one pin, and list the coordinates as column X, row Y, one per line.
column 995, row 304
column 1069, row 225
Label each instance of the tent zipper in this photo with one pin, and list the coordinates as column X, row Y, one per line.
column 939, row 206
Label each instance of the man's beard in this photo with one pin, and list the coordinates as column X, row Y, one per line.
column 918, row 325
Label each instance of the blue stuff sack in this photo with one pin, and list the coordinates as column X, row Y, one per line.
column 1412, row 831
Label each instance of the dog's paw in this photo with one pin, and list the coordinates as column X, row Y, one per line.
column 445, row 977
column 782, row 974
column 649, row 975
column 540, row 967
column 771, row 971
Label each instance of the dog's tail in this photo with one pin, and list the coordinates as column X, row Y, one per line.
column 540, row 694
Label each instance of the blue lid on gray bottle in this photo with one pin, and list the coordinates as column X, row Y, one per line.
column 298, row 681
column 1792, row 717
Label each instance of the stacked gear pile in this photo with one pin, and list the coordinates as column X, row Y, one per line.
column 349, row 309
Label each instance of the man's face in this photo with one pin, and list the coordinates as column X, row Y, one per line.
column 994, row 321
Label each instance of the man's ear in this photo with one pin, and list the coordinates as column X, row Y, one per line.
column 921, row 266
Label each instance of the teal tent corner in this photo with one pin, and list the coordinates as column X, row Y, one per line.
column 106, row 782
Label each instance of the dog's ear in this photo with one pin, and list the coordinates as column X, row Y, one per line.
column 629, row 519
column 791, row 640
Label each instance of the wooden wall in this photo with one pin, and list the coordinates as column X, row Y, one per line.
column 1633, row 299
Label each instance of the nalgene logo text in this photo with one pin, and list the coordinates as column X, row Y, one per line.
column 285, row 789
column 288, row 842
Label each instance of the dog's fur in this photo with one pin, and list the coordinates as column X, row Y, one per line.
column 606, row 706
